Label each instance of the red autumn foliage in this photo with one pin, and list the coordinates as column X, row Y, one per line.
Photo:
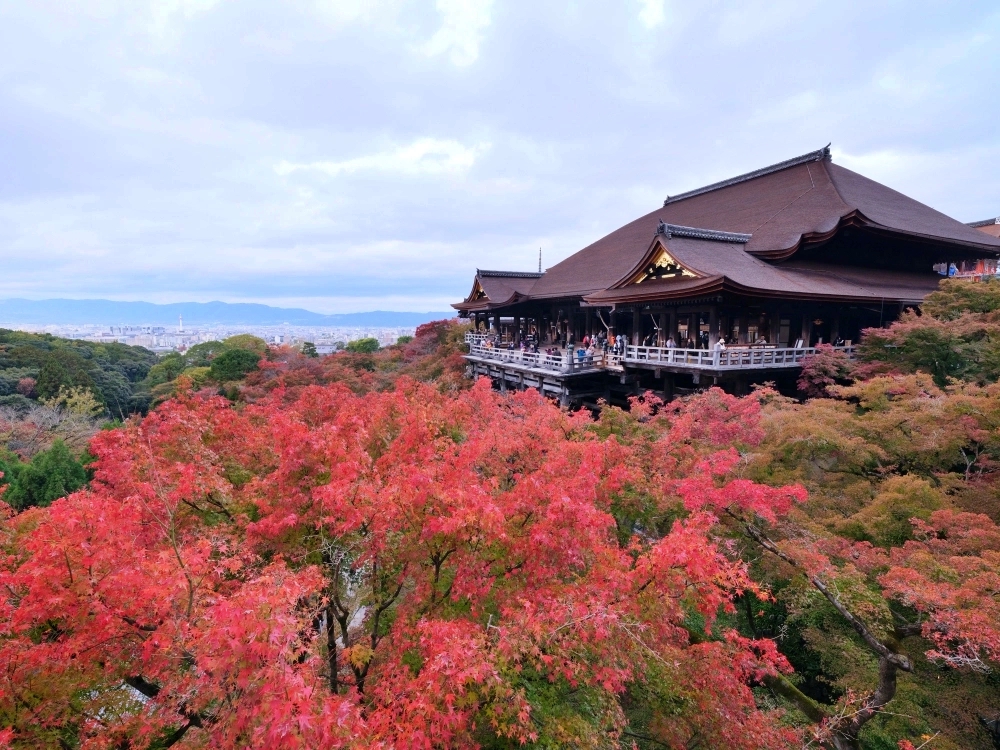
column 416, row 567
column 949, row 575
column 826, row 368
column 433, row 355
column 403, row 569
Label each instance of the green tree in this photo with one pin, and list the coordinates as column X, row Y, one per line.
column 114, row 391
column 165, row 370
column 234, row 364
column 75, row 400
column 956, row 335
column 246, row 342
column 201, row 355
column 404, row 340
column 955, row 297
column 309, row 349
column 51, row 474
column 63, row 368
column 10, row 468
column 363, row 346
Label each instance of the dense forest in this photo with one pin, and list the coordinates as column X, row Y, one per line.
column 56, row 394
column 370, row 550
column 37, row 367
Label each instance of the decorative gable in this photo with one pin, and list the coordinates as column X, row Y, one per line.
column 663, row 267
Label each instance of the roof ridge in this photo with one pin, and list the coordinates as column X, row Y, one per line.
column 509, row 274
column 676, row 230
column 822, row 154
column 983, row 223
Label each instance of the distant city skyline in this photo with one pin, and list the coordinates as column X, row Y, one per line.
column 110, row 312
column 346, row 156
column 163, row 339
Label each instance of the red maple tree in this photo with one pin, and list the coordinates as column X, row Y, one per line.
column 402, row 569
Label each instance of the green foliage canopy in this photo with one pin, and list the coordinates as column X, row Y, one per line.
column 233, row 365
column 51, row 474
column 956, row 335
column 363, row 346
column 39, row 365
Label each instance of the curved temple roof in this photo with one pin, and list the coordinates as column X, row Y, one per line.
column 774, row 211
column 725, row 266
column 493, row 288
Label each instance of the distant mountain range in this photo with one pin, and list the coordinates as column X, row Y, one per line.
column 108, row 312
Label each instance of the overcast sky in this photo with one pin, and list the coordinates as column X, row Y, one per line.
column 342, row 155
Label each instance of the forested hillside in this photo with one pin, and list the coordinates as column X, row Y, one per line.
column 368, row 550
column 36, row 367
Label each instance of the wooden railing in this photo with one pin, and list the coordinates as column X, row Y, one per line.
column 564, row 361
column 731, row 358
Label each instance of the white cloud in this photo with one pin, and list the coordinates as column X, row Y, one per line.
column 794, row 107
column 163, row 12
column 425, row 156
column 652, row 13
column 744, row 22
column 462, row 26
column 347, row 11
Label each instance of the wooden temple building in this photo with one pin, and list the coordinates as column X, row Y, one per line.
column 771, row 263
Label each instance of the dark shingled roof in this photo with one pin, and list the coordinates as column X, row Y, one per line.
column 782, row 208
column 500, row 288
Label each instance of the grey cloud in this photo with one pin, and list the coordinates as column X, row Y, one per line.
column 142, row 150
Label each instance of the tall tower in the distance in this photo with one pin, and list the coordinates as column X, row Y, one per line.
column 180, row 324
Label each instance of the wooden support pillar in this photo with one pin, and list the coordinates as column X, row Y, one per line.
column 713, row 326
column 835, row 329
column 496, row 323
column 636, row 327
column 613, row 323
column 517, row 330
column 694, row 326
column 672, row 326
column 668, row 387
column 807, row 325
column 775, row 332
column 661, row 334
column 588, row 322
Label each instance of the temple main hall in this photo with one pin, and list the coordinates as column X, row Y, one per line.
column 730, row 284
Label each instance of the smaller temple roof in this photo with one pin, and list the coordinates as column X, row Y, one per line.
column 984, row 222
column 989, row 226
column 495, row 288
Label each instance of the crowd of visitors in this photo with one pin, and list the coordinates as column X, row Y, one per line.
column 605, row 345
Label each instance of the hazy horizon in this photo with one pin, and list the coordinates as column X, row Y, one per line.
column 345, row 156
column 84, row 312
